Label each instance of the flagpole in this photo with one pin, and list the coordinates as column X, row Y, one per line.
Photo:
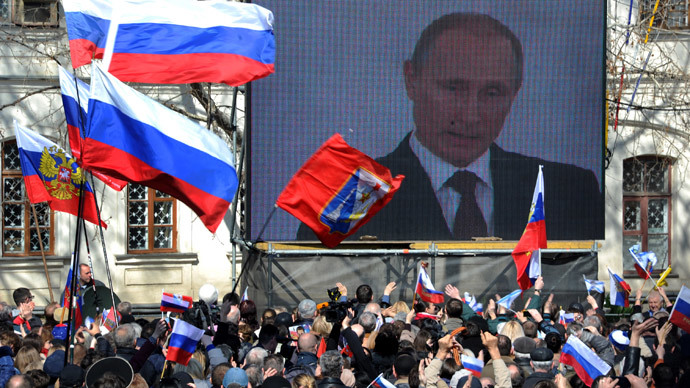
column 105, row 252
column 273, row 211
column 43, row 253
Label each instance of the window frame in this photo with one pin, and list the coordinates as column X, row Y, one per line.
column 28, row 213
column 646, row 9
column 150, row 222
column 643, row 198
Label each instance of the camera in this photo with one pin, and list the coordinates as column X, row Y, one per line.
column 336, row 311
column 201, row 316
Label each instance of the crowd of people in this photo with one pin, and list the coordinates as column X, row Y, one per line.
column 356, row 341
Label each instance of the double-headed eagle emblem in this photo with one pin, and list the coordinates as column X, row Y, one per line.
column 59, row 177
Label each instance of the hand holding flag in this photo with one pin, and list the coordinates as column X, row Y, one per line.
column 183, row 340
column 508, row 300
column 680, row 314
column 618, row 290
column 644, row 261
column 593, row 285
column 176, row 303
column 426, row 290
column 586, row 363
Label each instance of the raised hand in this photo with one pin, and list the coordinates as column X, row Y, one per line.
column 452, row 291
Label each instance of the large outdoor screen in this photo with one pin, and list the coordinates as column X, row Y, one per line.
column 429, row 89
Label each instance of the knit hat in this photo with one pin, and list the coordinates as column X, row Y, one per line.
column 619, row 339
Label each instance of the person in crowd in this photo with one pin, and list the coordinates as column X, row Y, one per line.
column 25, row 320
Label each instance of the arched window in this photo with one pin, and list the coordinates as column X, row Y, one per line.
column 19, row 231
column 647, row 209
column 151, row 220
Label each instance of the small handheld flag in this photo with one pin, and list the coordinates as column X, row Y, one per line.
column 176, row 303
column 662, row 279
column 183, row 340
column 508, row 300
column 594, row 285
column 426, row 290
column 586, row 363
column 474, row 365
column 644, row 261
column 619, row 290
column 472, row 302
column 380, row 382
column 680, row 314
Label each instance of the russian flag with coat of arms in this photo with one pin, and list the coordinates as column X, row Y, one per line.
column 337, row 190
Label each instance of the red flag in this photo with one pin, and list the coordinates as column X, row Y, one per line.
column 338, row 190
column 526, row 252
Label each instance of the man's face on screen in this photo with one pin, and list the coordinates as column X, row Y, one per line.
column 462, row 94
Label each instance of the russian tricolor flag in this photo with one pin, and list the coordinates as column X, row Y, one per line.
column 182, row 41
column 565, row 318
column 51, row 175
column 76, row 307
column 472, row 302
column 176, row 303
column 619, row 290
column 680, row 315
column 527, row 252
column 75, row 101
column 132, row 137
column 380, row 382
column 426, row 290
column 183, row 340
column 87, row 28
column 473, row 365
column 586, row 363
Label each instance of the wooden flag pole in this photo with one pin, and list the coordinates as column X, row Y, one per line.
column 43, row 254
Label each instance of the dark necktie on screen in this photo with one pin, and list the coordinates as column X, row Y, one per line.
column 469, row 220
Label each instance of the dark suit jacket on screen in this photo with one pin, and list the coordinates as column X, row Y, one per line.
column 573, row 201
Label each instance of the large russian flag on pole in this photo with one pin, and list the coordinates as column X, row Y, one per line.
column 182, row 41
column 87, row 28
column 527, row 254
column 183, row 342
column 586, row 363
column 51, row 175
column 132, row 137
column 680, row 315
column 75, row 100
